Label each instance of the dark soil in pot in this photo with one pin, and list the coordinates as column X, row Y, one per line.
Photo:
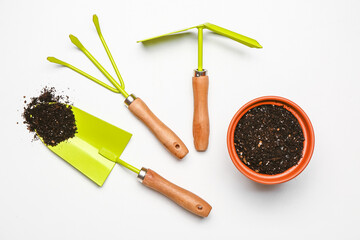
column 268, row 139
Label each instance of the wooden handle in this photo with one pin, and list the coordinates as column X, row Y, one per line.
column 167, row 137
column 201, row 113
column 182, row 197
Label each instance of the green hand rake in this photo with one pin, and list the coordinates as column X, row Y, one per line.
column 164, row 134
column 200, row 81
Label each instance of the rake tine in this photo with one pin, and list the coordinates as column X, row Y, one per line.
column 55, row 60
column 97, row 25
column 77, row 43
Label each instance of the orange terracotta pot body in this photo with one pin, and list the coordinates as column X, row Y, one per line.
column 307, row 129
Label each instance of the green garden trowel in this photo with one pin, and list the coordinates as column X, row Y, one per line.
column 95, row 150
column 200, row 81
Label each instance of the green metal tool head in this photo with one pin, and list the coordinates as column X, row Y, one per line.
column 219, row 30
column 119, row 87
column 233, row 35
column 92, row 145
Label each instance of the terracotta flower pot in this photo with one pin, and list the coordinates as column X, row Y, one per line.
column 307, row 129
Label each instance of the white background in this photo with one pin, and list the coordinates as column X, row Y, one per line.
column 310, row 55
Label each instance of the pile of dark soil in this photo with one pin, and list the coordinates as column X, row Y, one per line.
column 268, row 139
column 48, row 116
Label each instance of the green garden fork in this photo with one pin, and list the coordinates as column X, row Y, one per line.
column 200, row 81
column 164, row 134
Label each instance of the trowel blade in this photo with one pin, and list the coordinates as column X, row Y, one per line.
column 82, row 151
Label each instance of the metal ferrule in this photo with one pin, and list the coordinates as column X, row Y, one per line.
column 130, row 99
column 200, row 73
column 142, row 174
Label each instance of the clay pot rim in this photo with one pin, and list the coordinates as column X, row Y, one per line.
column 305, row 124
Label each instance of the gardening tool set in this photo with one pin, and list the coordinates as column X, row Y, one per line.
column 98, row 145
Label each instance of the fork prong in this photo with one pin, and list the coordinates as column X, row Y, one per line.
column 77, row 43
column 97, row 26
column 55, row 60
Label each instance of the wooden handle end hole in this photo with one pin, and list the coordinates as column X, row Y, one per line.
column 177, row 146
column 199, row 207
